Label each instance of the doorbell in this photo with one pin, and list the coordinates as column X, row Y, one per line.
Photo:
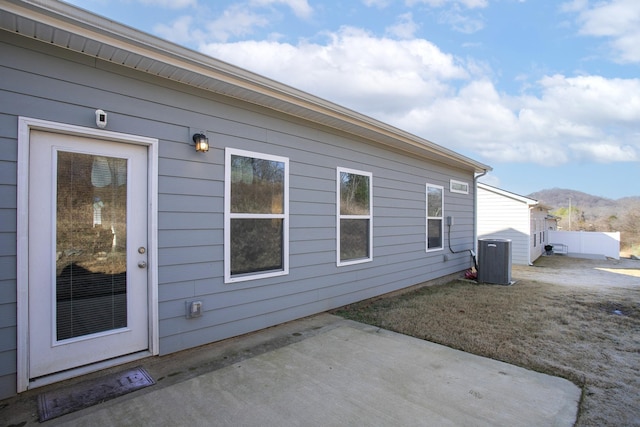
column 101, row 119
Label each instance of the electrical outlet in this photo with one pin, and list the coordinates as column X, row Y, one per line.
column 194, row 309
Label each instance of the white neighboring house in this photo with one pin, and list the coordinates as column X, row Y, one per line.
column 506, row 215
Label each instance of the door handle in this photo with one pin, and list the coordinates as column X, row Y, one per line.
column 142, row 264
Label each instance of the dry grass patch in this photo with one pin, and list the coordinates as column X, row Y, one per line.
column 587, row 335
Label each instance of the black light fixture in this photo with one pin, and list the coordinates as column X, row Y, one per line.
column 202, row 142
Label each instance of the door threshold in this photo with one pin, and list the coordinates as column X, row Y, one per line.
column 87, row 369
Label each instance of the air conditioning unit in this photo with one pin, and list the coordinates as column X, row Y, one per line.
column 494, row 261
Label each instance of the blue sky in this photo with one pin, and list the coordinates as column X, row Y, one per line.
column 546, row 92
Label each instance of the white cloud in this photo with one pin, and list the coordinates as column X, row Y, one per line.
column 594, row 99
column 456, row 13
column 616, row 20
column 236, row 21
column 300, row 8
column 586, row 118
column 606, row 153
column 412, row 84
column 404, row 28
column 381, row 4
column 574, row 6
column 469, row 4
column 179, row 31
column 461, row 22
column 353, row 68
column 472, row 4
column 478, row 118
column 171, row 4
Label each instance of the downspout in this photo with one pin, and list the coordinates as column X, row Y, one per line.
column 534, row 231
column 475, row 212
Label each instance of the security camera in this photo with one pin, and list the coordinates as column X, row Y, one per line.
column 101, row 119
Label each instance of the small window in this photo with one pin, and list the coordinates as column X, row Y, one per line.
column 458, row 187
column 354, row 217
column 435, row 224
column 256, row 233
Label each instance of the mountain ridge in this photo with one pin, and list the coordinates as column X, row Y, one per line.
column 594, row 213
column 559, row 197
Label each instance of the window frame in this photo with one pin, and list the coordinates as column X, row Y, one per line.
column 339, row 217
column 427, row 217
column 454, row 182
column 228, row 216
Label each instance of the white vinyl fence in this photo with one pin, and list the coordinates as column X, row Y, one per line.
column 587, row 242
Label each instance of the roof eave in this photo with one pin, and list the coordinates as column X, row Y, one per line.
column 526, row 200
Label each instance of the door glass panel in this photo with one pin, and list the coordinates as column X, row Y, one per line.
column 91, row 264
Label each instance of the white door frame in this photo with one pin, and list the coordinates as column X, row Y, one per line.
column 25, row 125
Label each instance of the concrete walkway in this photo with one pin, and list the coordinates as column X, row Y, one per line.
column 343, row 373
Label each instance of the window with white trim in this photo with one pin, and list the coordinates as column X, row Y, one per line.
column 458, row 187
column 256, row 232
column 354, row 216
column 435, row 212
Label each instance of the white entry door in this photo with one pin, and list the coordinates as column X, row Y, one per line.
column 87, row 257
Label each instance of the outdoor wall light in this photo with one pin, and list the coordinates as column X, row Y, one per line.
column 202, row 142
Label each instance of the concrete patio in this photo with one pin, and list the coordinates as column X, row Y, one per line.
column 327, row 371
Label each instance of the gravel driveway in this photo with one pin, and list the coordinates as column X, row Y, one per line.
column 589, row 273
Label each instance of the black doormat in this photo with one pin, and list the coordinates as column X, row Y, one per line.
column 88, row 393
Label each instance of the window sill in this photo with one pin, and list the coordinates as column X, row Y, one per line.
column 254, row 276
column 354, row 261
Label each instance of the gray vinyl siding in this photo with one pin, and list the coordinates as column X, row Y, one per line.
column 501, row 217
column 44, row 82
column 8, row 288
